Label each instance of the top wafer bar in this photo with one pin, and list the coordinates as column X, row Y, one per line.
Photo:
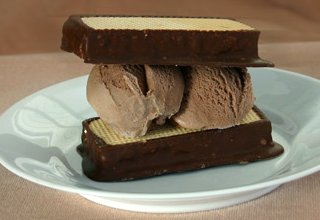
column 162, row 40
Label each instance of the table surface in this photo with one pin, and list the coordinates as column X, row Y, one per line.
column 22, row 75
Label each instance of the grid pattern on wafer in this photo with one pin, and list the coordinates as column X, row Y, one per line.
column 164, row 23
column 111, row 138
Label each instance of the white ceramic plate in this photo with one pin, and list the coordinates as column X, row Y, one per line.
column 39, row 135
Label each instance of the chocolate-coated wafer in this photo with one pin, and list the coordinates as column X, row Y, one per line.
column 162, row 40
column 169, row 149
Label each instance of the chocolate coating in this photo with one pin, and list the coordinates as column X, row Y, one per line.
column 163, row 47
column 192, row 151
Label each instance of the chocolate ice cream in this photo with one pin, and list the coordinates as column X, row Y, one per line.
column 215, row 97
column 129, row 97
column 167, row 85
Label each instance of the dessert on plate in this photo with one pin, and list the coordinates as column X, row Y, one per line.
column 172, row 94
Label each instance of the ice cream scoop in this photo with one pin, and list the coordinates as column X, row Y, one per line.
column 129, row 97
column 167, row 85
column 214, row 97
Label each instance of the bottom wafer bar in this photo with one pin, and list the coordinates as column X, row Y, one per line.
column 169, row 149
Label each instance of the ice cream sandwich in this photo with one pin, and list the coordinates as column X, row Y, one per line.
column 172, row 94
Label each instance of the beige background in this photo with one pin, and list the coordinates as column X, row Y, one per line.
column 30, row 59
column 35, row 26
